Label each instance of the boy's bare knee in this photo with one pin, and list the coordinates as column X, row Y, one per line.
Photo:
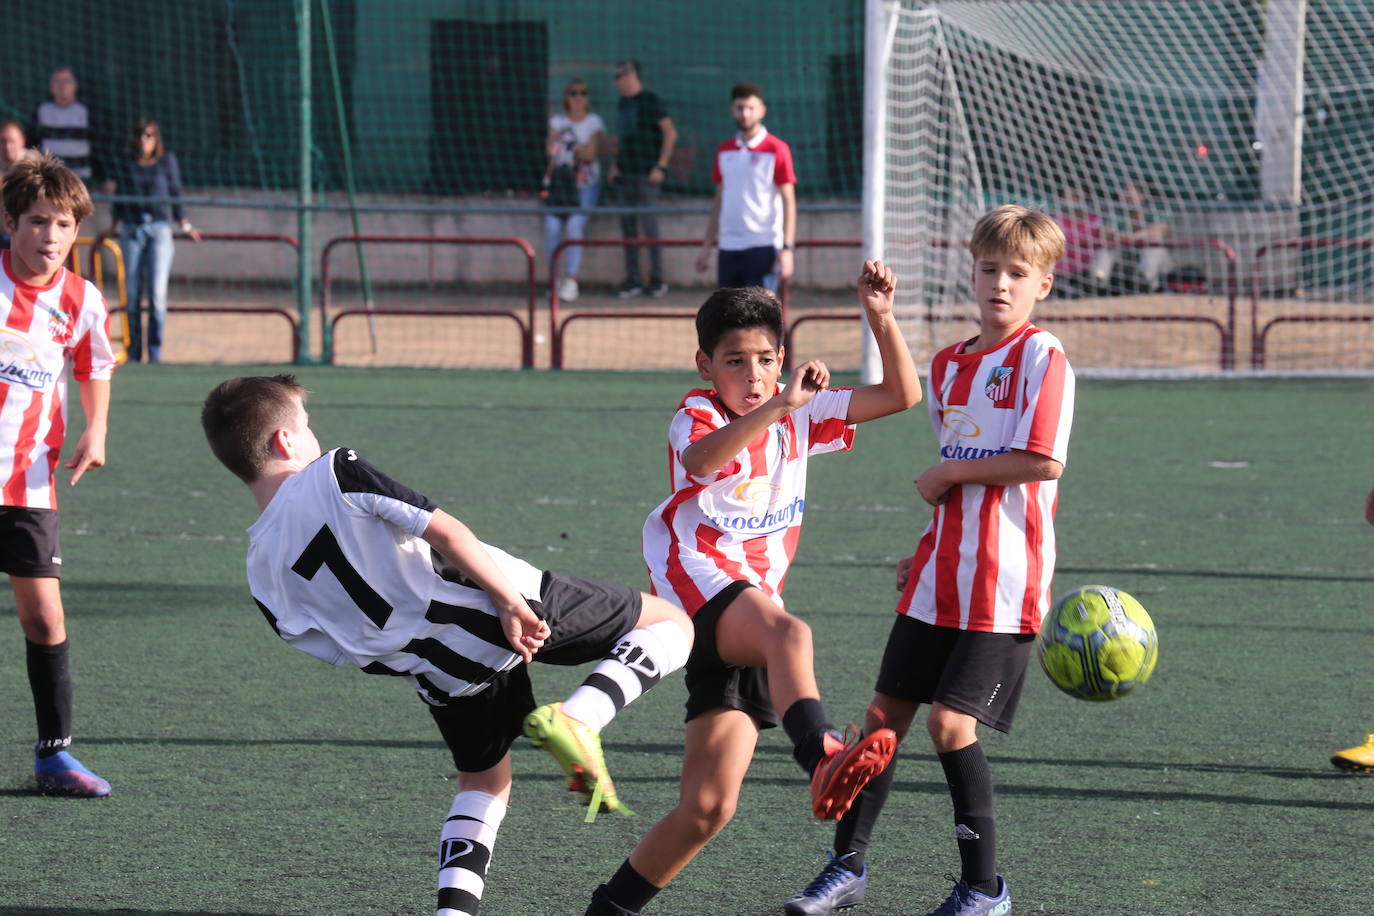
column 39, row 604
column 793, row 630
column 705, row 819
column 657, row 610
column 950, row 729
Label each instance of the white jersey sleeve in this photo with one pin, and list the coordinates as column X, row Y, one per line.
column 337, row 565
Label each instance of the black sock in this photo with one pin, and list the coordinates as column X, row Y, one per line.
column 629, row 889
column 855, row 829
column 50, row 679
column 975, row 824
column 806, row 724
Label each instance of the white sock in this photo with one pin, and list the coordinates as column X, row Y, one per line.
column 465, row 851
column 641, row 659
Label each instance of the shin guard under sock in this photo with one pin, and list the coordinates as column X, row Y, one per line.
column 975, row 823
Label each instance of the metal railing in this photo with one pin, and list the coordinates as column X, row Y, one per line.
column 558, row 326
column 328, row 323
column 105, row 241
column 1259, row 335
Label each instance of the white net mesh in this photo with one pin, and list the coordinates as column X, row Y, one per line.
column 1211, row 162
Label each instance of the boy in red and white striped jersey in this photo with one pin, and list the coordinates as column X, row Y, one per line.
column 52, row 323
column 720, row 547
column 973, row 593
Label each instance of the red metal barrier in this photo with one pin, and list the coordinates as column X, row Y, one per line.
column 526, row 324
column 1259, row 335
column 1226, row 331
column 558, row 328
column 790, row 329
column 106, row 238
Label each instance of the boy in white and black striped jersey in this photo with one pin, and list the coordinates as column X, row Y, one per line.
column 352, row 567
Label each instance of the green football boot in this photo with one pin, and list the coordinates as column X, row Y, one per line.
column 578, row 751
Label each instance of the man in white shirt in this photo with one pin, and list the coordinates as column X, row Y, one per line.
column 754, row 214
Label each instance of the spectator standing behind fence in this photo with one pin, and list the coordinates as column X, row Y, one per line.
column 145, row 230
column 64, row 126
column 647, row 138
column 1083, row 233
column 573, row 179
column 12, row 152
column 754, row 215
column 1135, row 221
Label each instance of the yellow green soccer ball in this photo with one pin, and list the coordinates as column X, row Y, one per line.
column 1097, row 643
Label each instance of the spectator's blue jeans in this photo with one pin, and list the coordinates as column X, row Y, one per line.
column 553, row 229
column 147, row 249
column 636, row 191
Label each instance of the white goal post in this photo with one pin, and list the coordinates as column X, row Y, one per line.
column 1210, row 160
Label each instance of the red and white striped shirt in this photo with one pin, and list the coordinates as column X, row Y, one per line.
column 742, row 522
column 987, row 558
column 44, row 331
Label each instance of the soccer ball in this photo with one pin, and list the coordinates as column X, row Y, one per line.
column 1097, row 643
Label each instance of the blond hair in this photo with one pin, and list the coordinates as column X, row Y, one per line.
column 575, row 83
column 1020, row 232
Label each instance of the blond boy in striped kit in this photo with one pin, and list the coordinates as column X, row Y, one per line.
column 973, row 593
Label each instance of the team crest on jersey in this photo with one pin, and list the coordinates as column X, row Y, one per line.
column 59, row 324
column 998, row 385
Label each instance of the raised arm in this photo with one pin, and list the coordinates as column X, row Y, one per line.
column 709, row 453
column 901, row 385
column 456, row 542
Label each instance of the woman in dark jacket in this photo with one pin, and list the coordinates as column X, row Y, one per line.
column 145, row 231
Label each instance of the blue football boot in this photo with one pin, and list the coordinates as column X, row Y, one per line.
column 835, row 888
column 965, row 901
column 63, row 774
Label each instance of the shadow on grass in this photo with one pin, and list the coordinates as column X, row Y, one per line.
column 1004, row 787
column 87, row 911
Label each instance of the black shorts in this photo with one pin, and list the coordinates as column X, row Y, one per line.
column 29, row 543
column 711, row 683
column 980, row 674
column 585, row 618
column 745, row 266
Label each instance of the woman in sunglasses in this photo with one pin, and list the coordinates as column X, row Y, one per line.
column 151, row 172
column 573, row 178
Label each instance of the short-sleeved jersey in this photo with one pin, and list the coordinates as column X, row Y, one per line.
column 749, row 173
column 46, row 333
column 337, row 565
column 742, row 522
column 986, row 560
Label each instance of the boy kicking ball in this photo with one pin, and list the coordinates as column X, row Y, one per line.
column 354, row 568
column 720, row 547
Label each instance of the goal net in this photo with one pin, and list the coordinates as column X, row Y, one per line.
column 1210, row 161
